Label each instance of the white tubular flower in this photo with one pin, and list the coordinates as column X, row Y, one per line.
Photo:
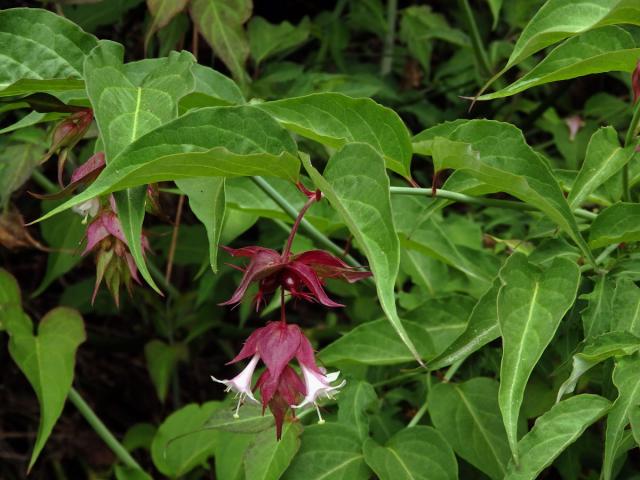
column 88, row 208
column 241, row 383
column 318, row 385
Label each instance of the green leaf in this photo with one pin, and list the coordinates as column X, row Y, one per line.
column 207, row 202
column 221, row 23
column 64, row 235
column 162, row 12
column 495, row 6
column 251, row 420
column 496, row 153
column 354, row 401
column 531, row 305
column 10, row 298
column 212, row 89
column 365, row 206
column 267, row 39
column 334, row 119
column 180, row 444
column 625, row 316
column 268, row 458
column 127, row 107
column 161, row 361
column 131, row 209
column 432, row 327
column 616, row 224
column 481, row 329
column 416, row 453
column 209, row 142
column 597, row 350
column 418, row 230
column 47, row 360
column 41, row 51
column 627, row 381
column 329, row 452
column 229, row 454
column 603, row 50
column 468, row 417
column 553, row 432
column 557, row 20
column 604, row 158
column 596, row 318
column 17, row 162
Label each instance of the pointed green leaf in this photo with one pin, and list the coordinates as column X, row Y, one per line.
column 268, row 458
column 209, row 142
column 180, row 444
column 531, row 304
column 597, row 350
column 162, row 12
column 553, row 432
column 496, row 153
column 596, row 317
column 161, row 361
column 126, row 107
column 604, row 158
column 606, row 49
column 481, row 329
column 432, row 327
column 251, row 420
column 47, row 359
column 559, row 19
column 10, row 298
column 267, row 39
column 334, row 119
column 329, row 452
column 221, row 23
column 365, row 207
column 40, row 51
column 616, row 224
column 625, row 316
column 207, row 202
column 627, row 381
column 468, row 416
column 417, row 453
column 212, row 89
column 354, row 401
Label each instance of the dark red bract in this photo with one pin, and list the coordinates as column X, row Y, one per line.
column 301, row 275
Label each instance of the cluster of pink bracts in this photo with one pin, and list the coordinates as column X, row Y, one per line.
column 278, row 343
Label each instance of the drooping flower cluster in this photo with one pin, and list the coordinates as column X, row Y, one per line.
column 106, row 239
column 277, row 344
column 281, row 388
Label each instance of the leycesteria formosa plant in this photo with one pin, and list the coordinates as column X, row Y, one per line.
column 278, row 343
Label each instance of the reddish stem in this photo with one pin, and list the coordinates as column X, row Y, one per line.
column 287, row 248
column 283, row 316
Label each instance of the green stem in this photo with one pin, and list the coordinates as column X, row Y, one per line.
column 487, row 202
column 451, row 371
column 309, row 229
column 476, row 41
column 628, row 139
column 418, row 416
column 44, row 182
column 390, row 38
column 101, row 429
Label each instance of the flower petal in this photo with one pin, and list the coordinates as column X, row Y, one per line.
column 307, row 276
column 277, row 345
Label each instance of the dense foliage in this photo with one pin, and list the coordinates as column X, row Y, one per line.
column 428, row 217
